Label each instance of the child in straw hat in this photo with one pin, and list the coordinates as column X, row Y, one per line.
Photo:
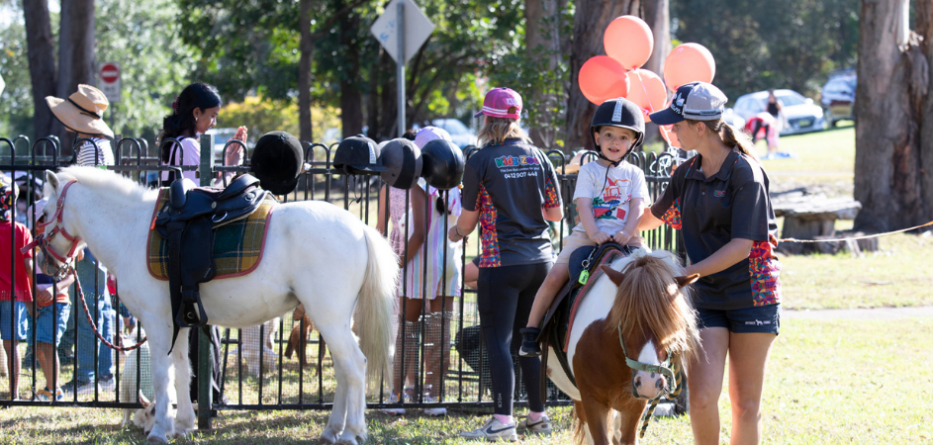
column 83, row 113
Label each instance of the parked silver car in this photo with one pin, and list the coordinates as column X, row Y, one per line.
column 460, row 134
column 802, row 114
column 838, row 98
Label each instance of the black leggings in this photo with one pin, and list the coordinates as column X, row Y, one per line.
column 504, row 297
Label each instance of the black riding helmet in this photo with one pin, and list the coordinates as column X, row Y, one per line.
column 621, row 113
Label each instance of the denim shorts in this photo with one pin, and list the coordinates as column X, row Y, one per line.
column 20, row 320
column 48, row 317
column 763, row 319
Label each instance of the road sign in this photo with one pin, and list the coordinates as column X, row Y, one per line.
column 417, row 28
column 110, row 81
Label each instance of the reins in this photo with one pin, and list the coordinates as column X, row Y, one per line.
column 87, row 312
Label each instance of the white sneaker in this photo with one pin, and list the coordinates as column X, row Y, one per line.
column 492, row 431
column 393, row 398
column 542, row 426
column 434, row 412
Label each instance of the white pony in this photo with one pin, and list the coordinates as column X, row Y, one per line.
column 315, row 253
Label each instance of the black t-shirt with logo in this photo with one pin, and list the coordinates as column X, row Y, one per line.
column 509, row 184
column 733, row 203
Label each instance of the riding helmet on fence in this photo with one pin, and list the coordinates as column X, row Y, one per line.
column 402, row 161
column 621, row 113
column 443, row 164
column 358, row 155
column 277, row 162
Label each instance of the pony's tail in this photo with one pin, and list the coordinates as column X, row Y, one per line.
column 377, row 304
column 579, row 423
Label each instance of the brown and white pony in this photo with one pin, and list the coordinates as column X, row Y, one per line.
column 644, row 297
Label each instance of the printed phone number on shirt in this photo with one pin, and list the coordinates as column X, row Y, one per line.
column 520, row 174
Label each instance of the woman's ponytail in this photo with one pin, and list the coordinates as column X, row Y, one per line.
column 739, row 139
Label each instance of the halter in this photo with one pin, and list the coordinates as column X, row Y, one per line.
column 43, row 241
column 663, row 369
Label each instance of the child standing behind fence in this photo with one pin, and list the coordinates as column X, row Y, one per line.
column 13, row 306
column 83, row 113
column 609, row 192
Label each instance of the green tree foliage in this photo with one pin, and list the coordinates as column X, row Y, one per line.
column 261, row 116
column 253, row 46
column 780, row 44
column 16, row 100
column 140, row 36
column 154, row 64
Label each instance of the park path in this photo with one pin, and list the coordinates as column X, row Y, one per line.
column 880, row 313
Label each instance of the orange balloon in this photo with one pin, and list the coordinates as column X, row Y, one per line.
column 603, row 78
column 629, row 40
column 647, row 91
column 690, row 62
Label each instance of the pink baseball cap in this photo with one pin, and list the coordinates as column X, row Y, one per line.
column 502, row 102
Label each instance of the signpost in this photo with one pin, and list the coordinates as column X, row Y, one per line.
column 2, row 84
column 110, row 81
column 401, row 30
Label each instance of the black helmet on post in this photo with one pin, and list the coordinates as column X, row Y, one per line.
column 402, row 161
column 277, row 162
column 359, row 155
column 621, row 113
column 443, row 164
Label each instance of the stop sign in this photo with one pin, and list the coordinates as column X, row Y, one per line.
column 109, row 73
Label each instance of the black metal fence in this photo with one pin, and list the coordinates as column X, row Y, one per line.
column 255, row 371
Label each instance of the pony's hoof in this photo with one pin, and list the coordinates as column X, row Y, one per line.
column 329, row 435
column 156, row 439
column 348, row 438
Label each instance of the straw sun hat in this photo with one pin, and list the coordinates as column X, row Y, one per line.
column 83, row 111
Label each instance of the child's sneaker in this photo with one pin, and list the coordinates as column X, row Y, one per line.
column 542, row 426
column 492, row 431
column 530, row 347
column 45, row 395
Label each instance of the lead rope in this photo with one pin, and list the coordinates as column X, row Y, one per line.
column 93, row 326
column 653, row 403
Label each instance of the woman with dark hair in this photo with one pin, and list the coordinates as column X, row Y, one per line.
column 509, row 187
column 720, row 201
column 194, row 112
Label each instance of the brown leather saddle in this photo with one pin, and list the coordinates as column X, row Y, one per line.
column 186, row 222
column 555, row 326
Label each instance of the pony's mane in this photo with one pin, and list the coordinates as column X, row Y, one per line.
column 649, row 300
column 96, row 178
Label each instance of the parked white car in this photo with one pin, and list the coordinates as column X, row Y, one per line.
column 802, row 114
column 460, row 134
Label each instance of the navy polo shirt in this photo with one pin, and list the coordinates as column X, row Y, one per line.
column 733, row 203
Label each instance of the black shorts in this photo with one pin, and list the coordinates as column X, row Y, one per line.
column 764, row 319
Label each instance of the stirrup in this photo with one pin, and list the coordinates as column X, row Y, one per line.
column 186, row 312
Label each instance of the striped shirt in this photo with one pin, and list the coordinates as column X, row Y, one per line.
column 87, row 155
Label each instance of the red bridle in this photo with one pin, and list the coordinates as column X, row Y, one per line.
column 44, row 242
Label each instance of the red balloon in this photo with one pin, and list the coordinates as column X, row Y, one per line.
column 647, row 91
column 602, row 78
column 629, row 40
column 690, row 62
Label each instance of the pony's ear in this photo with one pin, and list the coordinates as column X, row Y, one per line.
column 143, row 400
column 689, row 279
column 51, row 179
column 613, row 274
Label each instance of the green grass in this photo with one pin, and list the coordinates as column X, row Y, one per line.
column 829, row 382
column 830, row 151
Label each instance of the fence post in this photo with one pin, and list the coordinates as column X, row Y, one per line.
column 205, row 371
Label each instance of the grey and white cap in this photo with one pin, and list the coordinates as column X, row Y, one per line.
column 698, row 101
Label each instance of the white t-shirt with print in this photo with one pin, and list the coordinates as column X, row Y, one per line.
column 610, row 196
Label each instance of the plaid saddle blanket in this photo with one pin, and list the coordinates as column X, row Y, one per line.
column 237, row 249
